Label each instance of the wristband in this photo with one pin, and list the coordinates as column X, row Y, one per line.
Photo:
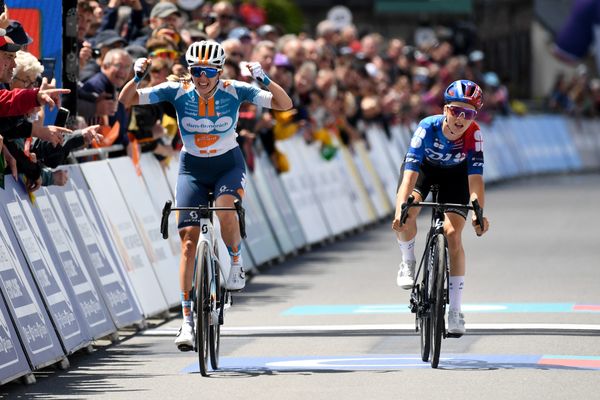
column 266, row 81
column 137, row 79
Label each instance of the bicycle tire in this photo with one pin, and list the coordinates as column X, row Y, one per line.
column 424, row 327
column 214, row 329
column 202, row 307
column 438, row 308
column 424, row 319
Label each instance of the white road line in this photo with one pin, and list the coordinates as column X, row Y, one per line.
column 387, row 329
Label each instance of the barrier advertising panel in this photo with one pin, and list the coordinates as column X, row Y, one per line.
column 40, row 343
column 147, row 221
column 271, row 208
column 260, row 241
column 13, row 363
column 46, row 272
column 120, row 223
column 75, row 212
column 266, row 174
column 95, row 315
column 160, row 192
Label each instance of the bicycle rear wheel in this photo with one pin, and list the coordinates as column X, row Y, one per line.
column 216, row 303
column 202, row 306
column 438, row 302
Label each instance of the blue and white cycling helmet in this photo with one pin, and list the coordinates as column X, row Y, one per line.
column 464, row 91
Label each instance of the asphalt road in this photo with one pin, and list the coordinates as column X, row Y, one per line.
column 330, row 323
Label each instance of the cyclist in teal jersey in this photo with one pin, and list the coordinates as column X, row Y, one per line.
column 446, row 150
column 211, row 160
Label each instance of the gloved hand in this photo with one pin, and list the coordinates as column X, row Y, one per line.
column 141, row 68
column 258, row 73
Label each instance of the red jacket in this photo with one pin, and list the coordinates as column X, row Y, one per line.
column 17, row 102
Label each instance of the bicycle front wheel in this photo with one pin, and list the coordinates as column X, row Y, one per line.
column 202, row 292
column 438, row 302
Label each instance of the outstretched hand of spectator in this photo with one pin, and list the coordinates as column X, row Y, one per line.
column 92, row 133
column 50, row 133
column 50, row 96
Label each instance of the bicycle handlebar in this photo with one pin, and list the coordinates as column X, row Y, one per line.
column 164, row 222
column 410, row 202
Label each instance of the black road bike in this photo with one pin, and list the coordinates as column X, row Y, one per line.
column 209, row 295
column 429, row 297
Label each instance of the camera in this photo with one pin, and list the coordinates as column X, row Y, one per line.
column 95, row 53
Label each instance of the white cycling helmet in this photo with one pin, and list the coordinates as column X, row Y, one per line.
column 206, row 52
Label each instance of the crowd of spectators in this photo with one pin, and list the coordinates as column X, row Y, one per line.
column 340, row 78
column 577, row 95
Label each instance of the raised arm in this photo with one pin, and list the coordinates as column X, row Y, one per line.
column 129, row 95
column 281, row 100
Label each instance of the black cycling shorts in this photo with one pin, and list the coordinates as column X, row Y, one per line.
column 453, row 183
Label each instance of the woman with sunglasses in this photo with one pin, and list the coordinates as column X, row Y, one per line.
column 211, row 160
column 446, row 150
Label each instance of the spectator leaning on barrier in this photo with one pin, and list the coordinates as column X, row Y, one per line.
column 105, row 85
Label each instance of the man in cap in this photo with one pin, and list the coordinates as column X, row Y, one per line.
column 165, row 13
column 18, row 35
column 103, row 42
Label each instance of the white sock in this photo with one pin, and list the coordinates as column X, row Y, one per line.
column 408, row 250
column 456, row 286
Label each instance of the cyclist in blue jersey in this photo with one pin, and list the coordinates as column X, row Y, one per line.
column 211, row 160
column 446, row 150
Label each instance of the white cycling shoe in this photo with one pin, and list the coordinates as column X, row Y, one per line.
column 237, row 278
column 185, row 337
column 456, row 323
column 406, row 274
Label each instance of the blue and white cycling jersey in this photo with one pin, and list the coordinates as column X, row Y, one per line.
column 207, row 127
column 429, row 143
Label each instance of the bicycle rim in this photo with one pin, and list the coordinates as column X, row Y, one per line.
column 215, row 328
column 439, row 304
column 202, row 307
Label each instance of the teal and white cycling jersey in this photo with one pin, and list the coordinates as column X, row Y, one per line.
column 207, row 127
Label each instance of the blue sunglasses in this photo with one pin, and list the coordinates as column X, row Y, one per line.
column 210, row 72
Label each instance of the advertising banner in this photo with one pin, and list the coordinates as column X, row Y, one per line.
column 47, row 272
column 75, row 212
column 13, row 363
column 147, row 221
column 96, row 317
column 31, row 320
column 128, row 241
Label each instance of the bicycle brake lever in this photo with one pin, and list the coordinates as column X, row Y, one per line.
column 405, row 207
column 164, row 221
column 478, row 213
column 241, row 217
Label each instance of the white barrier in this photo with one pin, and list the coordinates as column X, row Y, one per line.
column 126, row 236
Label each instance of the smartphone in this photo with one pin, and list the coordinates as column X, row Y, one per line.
column 61, row 117
column 48, row 64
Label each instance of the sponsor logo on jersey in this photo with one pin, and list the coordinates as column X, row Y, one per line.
column 222, row 124
column 203, row 140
